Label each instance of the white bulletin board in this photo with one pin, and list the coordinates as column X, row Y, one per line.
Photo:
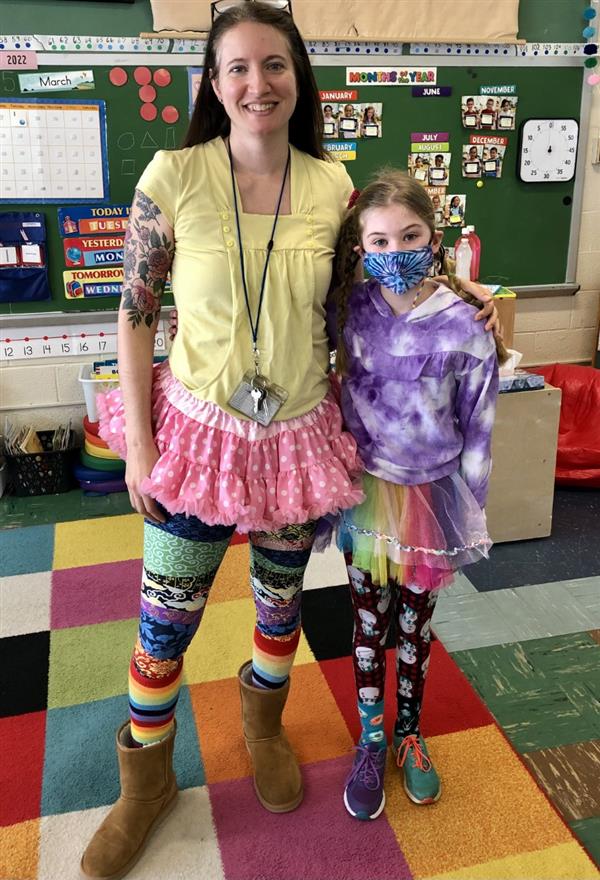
column 53, row 150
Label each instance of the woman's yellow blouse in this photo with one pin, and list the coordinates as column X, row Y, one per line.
column 213, row 346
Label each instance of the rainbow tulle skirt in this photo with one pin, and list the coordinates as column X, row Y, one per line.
column 417, row 535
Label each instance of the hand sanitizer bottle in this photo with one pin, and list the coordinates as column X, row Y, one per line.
column 475, row 245
column 464, row 256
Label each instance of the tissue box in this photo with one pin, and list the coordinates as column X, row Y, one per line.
column 520, row 380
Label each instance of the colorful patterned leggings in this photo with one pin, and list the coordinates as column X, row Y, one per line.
column 374, row 609
column 181, row 560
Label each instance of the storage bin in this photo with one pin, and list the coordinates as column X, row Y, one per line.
column 42, row 473
column 92, row 387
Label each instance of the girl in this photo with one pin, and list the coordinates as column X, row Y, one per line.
column 438, row 173
column 369, row 126
column 438, row 211
column 472, row 163
column 330, row 126
column 456, row 212
column 419, row 384
column 348, row 122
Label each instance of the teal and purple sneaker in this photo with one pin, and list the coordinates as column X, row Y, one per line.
column 421, row 782
column 364, row 796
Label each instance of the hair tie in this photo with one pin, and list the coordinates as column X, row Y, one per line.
column 353, row 197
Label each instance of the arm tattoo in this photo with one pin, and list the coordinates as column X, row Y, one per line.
column 147, row 260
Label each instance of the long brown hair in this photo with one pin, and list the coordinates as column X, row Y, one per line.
column 389, row 187
column 209, row 119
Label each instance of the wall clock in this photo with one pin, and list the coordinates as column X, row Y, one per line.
column 548, row 150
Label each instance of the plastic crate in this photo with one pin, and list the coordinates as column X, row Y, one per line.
column 92, row 387
column 42, row 473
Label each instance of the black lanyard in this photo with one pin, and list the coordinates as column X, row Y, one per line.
column 254, row 325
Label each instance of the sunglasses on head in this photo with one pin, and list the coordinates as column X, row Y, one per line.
column 218, row 7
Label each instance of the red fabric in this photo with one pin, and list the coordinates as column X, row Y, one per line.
column 578, row 458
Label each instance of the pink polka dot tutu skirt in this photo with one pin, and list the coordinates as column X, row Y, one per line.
column 227, row 471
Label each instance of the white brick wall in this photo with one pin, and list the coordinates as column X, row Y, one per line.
column 43, row 393
column 564, row 328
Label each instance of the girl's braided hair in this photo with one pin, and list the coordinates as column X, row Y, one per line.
column 388, row 187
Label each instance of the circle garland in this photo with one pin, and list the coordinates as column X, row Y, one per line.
column 590, row 50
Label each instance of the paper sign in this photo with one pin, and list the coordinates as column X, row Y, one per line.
column 86, row 283
column 498, row 90
column 59, row 81
column 498, row 140
column 390, row 76
column 30, row 253
column 430, row 148
column 14, row 59
column 8, row 256
column 431, row 91
column 345, row 151
column 339, row 95
column 433, row 136
column 96, row 251
column 95, row 220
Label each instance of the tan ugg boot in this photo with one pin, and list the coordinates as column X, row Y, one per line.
column 277, row 779
column 148, row 790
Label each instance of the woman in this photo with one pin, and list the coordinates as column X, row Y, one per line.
column 238, row 428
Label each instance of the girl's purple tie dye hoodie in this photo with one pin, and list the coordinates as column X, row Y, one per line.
column 420, row 394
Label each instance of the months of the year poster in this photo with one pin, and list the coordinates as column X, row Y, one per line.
column 53, row 150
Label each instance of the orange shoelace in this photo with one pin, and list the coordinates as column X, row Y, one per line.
column 421, row 760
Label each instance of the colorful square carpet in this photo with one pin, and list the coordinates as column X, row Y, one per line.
column 68, row 620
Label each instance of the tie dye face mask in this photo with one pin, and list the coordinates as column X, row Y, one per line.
column 399, row 271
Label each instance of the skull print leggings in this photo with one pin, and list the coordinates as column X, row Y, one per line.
column 375, row 607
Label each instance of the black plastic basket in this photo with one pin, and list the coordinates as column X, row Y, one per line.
column 42, row 473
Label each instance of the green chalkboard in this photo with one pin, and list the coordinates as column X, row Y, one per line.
column 524, row 228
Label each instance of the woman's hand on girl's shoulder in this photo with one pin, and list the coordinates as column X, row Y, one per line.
column 488, row 310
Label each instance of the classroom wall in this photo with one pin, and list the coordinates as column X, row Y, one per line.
column 563, row 329
column 547, row 330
